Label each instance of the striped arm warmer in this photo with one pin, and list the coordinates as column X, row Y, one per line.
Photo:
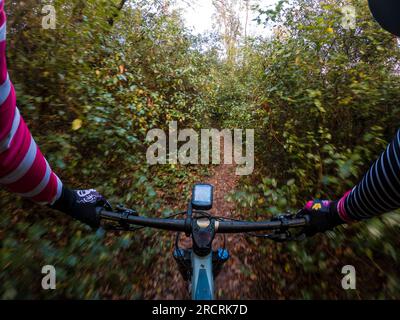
column 379, row 190
column 23, row 169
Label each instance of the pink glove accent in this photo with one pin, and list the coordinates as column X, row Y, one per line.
column 309, row 205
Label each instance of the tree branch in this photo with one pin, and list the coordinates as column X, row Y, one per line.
column 119, row 8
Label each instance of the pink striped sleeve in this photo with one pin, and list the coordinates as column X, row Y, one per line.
column 23, row 169
column 342, row 210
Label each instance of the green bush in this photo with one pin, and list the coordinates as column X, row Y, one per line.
column 324, row 102
column 90, row 90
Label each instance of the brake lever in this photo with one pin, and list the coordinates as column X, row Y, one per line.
column 121, row 224
column 126, row 212
column 284, row 234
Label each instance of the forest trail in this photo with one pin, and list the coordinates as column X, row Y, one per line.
column 237, row 277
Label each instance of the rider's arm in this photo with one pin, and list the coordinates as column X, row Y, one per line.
column 376, row 194
column 379, row 190
column 23, row 169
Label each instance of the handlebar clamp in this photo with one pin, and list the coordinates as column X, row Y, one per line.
column 203, row 233
column 125, row 214
column 188, row 226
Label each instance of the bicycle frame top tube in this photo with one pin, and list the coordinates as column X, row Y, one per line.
column 202, row 277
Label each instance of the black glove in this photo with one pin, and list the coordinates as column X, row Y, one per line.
column 322, row 215
column 81, row 205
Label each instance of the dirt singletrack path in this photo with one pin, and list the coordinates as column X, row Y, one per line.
column 237, row 277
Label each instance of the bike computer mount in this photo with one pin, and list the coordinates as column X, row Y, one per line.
column 203, row 227
column 202, row 196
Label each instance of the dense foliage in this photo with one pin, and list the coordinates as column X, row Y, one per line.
column 98, row 88
column 323, row 100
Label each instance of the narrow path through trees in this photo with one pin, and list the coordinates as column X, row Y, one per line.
column 237, row 277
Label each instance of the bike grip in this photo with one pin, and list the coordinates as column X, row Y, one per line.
column 307, row 219
column 99, row 211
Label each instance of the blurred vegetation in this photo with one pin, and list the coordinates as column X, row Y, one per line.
column 90, row 90
column 323, row 101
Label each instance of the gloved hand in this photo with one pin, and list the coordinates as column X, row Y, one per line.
column 81, row 205
column 323, row 216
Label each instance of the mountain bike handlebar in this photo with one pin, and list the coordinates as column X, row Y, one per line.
column 185, row 225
